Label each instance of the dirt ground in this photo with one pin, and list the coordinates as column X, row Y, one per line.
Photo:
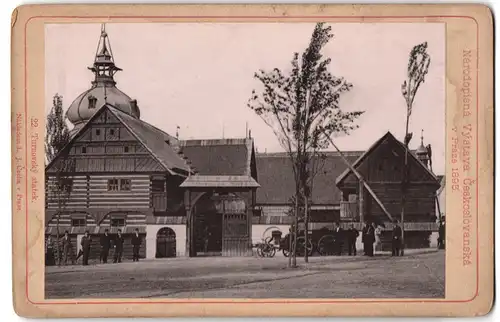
column 416, row 275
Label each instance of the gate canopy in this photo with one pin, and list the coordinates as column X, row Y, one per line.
column 207, row 181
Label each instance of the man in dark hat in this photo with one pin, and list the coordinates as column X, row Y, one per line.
column 67, row 249
column 338, row 236
column 86, row 247
column 368, row 238
column 105, row 246
column 136, row 243
column 352, row 236
column 396, row 239
column 441, row 231
column 118, row 247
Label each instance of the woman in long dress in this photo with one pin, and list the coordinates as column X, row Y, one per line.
column 378, row 243
column 49, row 252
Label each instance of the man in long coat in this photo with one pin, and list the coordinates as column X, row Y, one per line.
column 338, row 236
column 86, row 241
column 105, row 246
column 442, row 234
column 67, row 248
column 136, row 243
column 352, row 236
column 396, row 238
column 368, row 239
column 118, row 247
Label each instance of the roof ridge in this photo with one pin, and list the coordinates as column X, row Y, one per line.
column 285, row 154
column 208, row 142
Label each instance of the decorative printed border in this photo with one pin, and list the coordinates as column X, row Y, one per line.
column 32, row 123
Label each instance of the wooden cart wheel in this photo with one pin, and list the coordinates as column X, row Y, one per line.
column 325, row 245
column 286, row 253
column 271, row 251
column 300, row 246
column 260, row 250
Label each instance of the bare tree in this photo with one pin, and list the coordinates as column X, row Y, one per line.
column 302, row 108
column 60, row 182
column 418, row 66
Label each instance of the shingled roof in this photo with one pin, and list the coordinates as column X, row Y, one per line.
column 386, row 137
column 230, row 157
column 155, row 140
column 277, row 182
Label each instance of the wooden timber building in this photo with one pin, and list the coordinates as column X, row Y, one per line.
column 128, row 174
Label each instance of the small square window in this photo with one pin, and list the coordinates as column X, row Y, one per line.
column 98, row 132
column 113, row 185
column 65, row 184
column 125, row 184
column 117, row 222
column 84, row 149
column 126, row 149
column 92, row 102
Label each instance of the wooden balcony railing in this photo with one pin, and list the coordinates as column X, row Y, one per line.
column 349, row 209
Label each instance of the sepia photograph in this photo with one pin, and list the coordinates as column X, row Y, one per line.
column 245, row 160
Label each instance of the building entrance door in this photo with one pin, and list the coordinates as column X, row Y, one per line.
column 235, row 227
column 221, row 226
column 165, row 243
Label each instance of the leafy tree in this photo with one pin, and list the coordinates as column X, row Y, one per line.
column 60, row 182
column 418, row 66
column 57, row 132
column 302, row 108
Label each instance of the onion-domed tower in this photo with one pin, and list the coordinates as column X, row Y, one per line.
column 103, row 90
column 422, row 152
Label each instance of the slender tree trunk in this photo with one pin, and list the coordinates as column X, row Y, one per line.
column 58, row 250
column 295, row 229
column 290, row 248
column 403, row 187
column 306, row 232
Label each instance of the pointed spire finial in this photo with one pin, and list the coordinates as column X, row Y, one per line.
column 422, row 137
column 104, row 66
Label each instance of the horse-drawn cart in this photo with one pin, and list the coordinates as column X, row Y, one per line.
column 321, row 241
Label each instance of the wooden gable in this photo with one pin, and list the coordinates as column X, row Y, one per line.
column 105, row 144
column 385, row 161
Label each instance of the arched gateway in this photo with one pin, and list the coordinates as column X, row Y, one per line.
column 165, row 243
column 221, row 225
column 219, row 212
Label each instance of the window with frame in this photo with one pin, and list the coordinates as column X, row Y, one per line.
column 158, row 185
column 111, row 131
column 119, row 185
column 113, row 185
column 97, row 131
column 125, row 184
column 78, row 222
column 117, row 222
column 92, row 102
column 84, row 149
column 66, row 184
column 126, row 149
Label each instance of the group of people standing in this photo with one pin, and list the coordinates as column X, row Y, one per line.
column 106, row 243
column 371, row 237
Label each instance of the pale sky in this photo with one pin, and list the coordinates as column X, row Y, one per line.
column 200, row 76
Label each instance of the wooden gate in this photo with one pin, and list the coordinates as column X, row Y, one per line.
column 235, row 227
column 165, row 243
